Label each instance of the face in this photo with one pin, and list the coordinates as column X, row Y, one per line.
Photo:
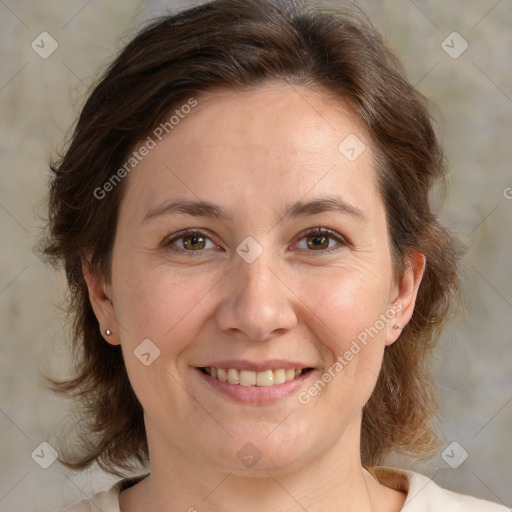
column 267, row 281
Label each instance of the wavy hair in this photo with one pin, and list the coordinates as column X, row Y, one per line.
column 240, row 44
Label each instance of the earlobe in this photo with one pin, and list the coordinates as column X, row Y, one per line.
column 101, row 304
column 406, row 294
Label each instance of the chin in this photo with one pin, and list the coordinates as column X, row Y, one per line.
column 262, row 451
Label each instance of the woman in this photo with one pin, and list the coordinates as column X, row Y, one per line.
column 257, row 278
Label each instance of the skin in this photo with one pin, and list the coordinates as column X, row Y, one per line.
column 254, row 153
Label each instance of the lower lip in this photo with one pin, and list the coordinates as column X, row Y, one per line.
column 256, row 394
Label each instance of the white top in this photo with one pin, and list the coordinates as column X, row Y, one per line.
column 423, row 495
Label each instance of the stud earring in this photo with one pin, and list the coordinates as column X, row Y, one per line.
column 396, row 326
column 108, row 332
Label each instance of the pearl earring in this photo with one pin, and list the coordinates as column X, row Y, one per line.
column 108, row 332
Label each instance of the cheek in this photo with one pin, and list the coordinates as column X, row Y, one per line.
column 157, row 305
column 346, row 311
column 344, row 303
column 160, row 305
column 152, row 300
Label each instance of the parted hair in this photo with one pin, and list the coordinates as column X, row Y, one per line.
column 240, row 44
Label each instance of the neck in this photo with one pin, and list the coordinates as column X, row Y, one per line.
column 331, row 480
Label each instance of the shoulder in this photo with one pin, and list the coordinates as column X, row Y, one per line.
column 106, row 501
column 424, row 495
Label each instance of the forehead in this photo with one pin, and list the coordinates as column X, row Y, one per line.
column 298, row 117
column 276, row 143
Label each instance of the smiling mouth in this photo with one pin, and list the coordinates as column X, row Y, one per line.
column 249, row 378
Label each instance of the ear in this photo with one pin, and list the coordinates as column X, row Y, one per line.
column 405, row 293
column 101, row 303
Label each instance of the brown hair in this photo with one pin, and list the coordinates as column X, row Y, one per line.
column 239, row 44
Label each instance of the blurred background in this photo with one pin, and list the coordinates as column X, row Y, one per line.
column 457, row 53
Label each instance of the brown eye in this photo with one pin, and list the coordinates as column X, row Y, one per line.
column 192, row 241
column 318, row 240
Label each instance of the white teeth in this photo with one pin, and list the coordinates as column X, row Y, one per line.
column 249, row 378
column 279, row 376
column 233, row 376
column 265, row 378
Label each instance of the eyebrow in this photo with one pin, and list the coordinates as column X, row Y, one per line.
column 298, row 209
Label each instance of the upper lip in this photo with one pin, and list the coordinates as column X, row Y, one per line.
column 243, row 364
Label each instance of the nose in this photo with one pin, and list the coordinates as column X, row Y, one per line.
column 258, row 304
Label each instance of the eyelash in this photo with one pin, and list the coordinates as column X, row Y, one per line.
column 168, row 243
